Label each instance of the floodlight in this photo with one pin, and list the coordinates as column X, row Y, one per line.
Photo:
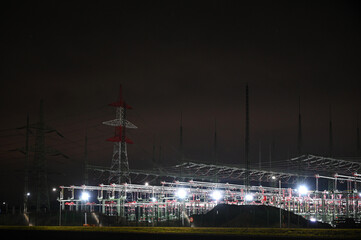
column 54, row 189
column 313, row 219
column 146, row 184
column 84, row 196
column 153, row 199
column 28, row 194
column 181, row 193
column 302, row 190
column 216, row 195
column 249, row 197
column 273, row 177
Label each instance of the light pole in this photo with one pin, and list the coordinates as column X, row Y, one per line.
column 280, row 199
column 27, row 195
column 85, row 198
column 182, row 195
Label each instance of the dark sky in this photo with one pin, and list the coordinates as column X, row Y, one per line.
column 173, row 57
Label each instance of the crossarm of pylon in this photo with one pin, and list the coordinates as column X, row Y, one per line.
column 53, row 152
column 118, row 122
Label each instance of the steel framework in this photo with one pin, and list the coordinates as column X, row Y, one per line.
column 36, row 173
column 178, row 200
column 146, row 203
column 324, row 164
column 208, row 172
column 119, row 165
column 201, row 170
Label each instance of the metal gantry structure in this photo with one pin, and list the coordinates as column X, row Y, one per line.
column 179, row 200
column 325, row 164
column 235, row 173
column 196, row 188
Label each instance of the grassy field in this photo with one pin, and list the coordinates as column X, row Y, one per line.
column 285, row 232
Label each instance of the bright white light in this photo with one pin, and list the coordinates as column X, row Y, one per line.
column 313, row 219
column 216, row 195
column 85, row 196
column 181, row 193
column 28, row 194
column 54, row 189
column 303, row 190
column 146, row 184
column 153, row 199
column 273, row 177
column 249, row 197
column 359, row 194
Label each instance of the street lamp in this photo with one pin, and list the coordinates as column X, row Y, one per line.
column 181, row 194
column 85, row 197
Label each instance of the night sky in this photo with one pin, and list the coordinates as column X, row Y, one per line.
column 173, row 57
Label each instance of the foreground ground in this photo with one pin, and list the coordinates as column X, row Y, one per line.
column 53, row 232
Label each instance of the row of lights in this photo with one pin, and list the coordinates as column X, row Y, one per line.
column 182, row 194
column 28, row 193
column 215, row 195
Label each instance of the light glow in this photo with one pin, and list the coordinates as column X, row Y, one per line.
column 216, row 195
column 181, row 193
column 84, row 196
column 313, row 219
column 249, row 197
column 302, row 190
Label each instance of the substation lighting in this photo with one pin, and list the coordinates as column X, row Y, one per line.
column 28, row 194
column 153, row 199
column 181, row 193
column 273, row 177
column 216, row 195
column 146, row 184
column 54, row 189
column 302, row 190
column 313, row 219
column 84, row 196
column 249, row 197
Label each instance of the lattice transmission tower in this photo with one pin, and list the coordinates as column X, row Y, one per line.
column 36, row 175
column 119, row 168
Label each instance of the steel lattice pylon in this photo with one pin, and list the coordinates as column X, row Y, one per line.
column 37, row 174
column 119, row 165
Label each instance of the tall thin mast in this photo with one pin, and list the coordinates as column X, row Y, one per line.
column 247, row 141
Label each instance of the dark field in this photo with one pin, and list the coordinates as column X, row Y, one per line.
column 173, row 233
